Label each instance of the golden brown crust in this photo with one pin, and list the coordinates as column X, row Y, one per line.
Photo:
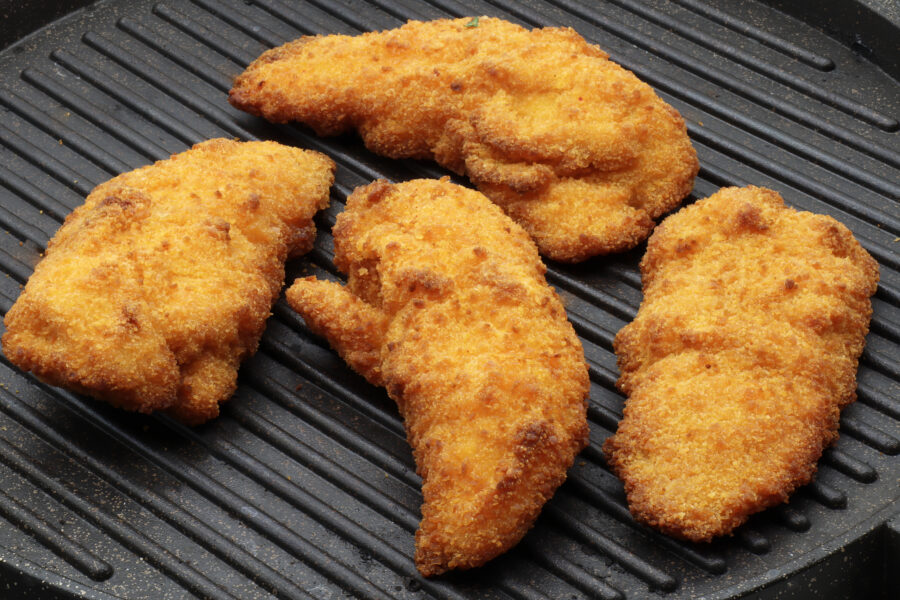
column 447, row 307
column 743, row 352
column 576, row 149
column 155, row 289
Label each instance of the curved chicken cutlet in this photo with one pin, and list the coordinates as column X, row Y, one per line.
column 573, row 147
column 742, row 354
column 447, row 307
column 155, row 289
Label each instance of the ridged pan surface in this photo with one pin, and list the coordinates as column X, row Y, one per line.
column 305, row 486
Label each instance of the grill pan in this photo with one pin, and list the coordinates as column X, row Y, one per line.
column 305, row 487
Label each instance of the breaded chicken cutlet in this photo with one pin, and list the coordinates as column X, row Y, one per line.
column 573, row 147
column 739, row 361
column 153, row 291
column 446, row 306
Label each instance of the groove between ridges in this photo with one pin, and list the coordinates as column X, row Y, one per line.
column 595, row 496
column 753, row 540
column 305, row 502
column 653, row 576
column 19, row 228
column 877, row 399
column 670, row 23
column 130, row 538
column 200, row 33
column 791, row 518
column 132, row 100
column 613, row 305
column 240, row 22
column 260, row 473
column 400, row 16
column 827, row 495
column 872, row 357
column 390, row 510
column 296, row 20
column 13, row 266
column 294, row 447
column 890, row 330
column 188, row 98
column 57, row 130
column 49, row 164
column 68, row 549
column 188, row 524
column 87, row 109
column 812, row 59
column 280, row 348
column 602, row 375
column 871, row 436
column 841, row 201
column 229, row 501
column 707, row 72
column 608, row 304
column 352, row 441
column 850, row 466
column 587, row 330
column 570, row 572
column 794, row 145
column 33, row 195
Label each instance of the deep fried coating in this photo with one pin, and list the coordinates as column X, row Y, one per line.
column 742, row 354
column 155, row 289
column 573, row 147
column 447, row 307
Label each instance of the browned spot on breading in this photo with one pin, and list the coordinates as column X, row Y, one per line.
column 749, row 218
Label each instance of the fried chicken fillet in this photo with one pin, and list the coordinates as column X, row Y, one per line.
column 154, row 290
column 742, row 354
column 572, row 146
column 446, row 306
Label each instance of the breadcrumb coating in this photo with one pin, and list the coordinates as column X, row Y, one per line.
column 447, row 307
column 573, row 147
column 742, row 354
column 153, row 291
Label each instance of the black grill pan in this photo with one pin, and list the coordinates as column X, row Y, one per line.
column 305, row 487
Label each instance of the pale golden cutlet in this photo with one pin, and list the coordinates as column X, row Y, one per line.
column 573, row 147
column 446, row 306
column 739, row 361
column 153, row 291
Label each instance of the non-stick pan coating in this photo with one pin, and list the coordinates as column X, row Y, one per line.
column 305, row 486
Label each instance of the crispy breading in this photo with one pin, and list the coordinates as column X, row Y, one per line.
column 447, row 307
column 155, row 289
column 742, row 354
column 572, row 146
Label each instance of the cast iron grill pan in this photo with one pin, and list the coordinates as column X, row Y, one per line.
column 305, row 486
